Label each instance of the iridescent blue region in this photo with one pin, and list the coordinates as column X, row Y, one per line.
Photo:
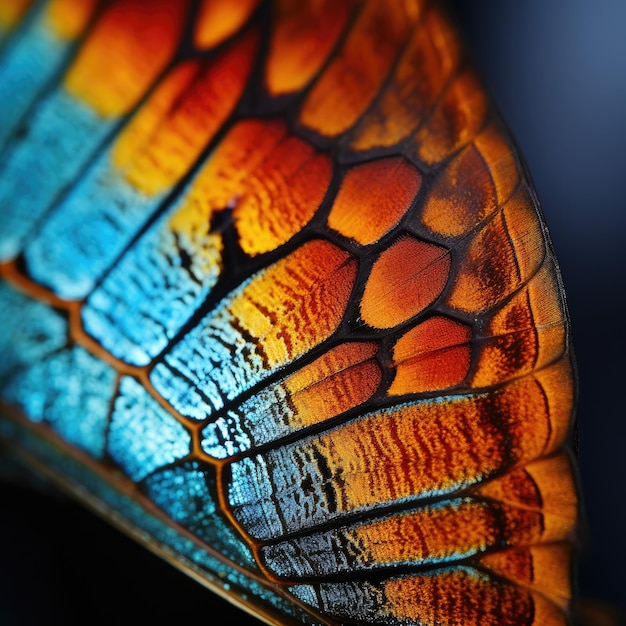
column 86, row 233
column 61, row 135
column 267, row 498
column 359, row 601
column 212, row 364
column 148, row 527
column 71, row 390
column 29, row 60
column 29, row 330
column 226, row 436
column 263, row 418
column 153, row 290
column 185, row 493
column 143, row 436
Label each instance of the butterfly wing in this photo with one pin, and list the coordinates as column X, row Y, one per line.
column 278, row 300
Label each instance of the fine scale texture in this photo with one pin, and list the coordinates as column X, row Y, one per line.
column 278, row 300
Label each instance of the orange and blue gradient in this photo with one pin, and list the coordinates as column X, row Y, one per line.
column 276, row 292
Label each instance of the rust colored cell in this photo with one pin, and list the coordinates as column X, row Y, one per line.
column 462, row 195
column 303, row 36
column 168, row 134
column 494, row 147
column 281, row 195
column 502, row 256
column 472, row 186
column 416, row 84
column 433, row 355
column 549, row 395
column 464, row 597
column 129, row 46
column 405, row 279
column 527, row 332
column 219, row 19
column 544, row 568
column 343, row 378
column 373, row 197
column 356, row 73
column 455, row 120
column 68, row 18
column 435, row 447
column 547, row 305
column 544, row 485
column 445, row 532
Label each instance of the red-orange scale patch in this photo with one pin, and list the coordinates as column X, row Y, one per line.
column 405, row 279
column 281, row 195
column 178, row 121
column 373, row 197
column 433, row 355
column 467, row 598
column 430, row 57
column 454, row 121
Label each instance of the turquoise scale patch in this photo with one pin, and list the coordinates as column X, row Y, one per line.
column 30, row 59
column 60, row 136
column 151, row 292
column 227, row 436
column 29, row 330
column 71, row 390
column 214, row 363
column 143, row 436
column 185, row 493
column 263, row 418
column 89, row 230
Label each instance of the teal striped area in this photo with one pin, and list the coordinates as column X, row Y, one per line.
column 143, row 436
column 29, row 330
column 152, row 291
column 61, row 134
column 71, row 390
column 31, row 58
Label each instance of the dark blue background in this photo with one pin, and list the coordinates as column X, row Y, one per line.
column 557, row 70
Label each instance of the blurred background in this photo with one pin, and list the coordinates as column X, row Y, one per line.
column 557, row 71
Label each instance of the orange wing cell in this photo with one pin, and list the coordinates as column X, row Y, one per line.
column 431, row 356
column 373, row 198
column 220, row 19
column 407, row 277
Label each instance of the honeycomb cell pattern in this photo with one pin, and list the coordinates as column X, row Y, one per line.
column 277, row 298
